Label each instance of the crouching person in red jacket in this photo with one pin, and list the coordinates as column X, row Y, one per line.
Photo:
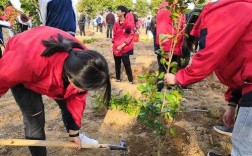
column 226, row 49
column 123, row 43
column 49, row 61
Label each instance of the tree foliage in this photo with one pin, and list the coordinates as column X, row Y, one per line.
column 94, row 7
column 155, row 5
column 3, row 2
column 142, row 8
column 127, row 3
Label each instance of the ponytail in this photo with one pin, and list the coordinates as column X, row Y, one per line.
column 61, row 45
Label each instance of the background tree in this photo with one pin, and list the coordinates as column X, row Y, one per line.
column 93, row 7
column 155, row 4
column 142, row 8
column 3, row 2
column 126, row 3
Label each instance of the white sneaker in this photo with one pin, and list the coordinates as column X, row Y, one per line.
column 87, row 140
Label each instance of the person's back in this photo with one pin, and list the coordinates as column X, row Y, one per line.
column 82, row 20
column 59, row 14
column 110, row 18
column 29, row 58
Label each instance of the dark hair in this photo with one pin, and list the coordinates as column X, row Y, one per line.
column 123, row 9
column 1, row 7
column 87, row 69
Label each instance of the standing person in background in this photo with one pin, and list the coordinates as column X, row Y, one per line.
column 148, row 25
column 123, row 44
column 81, row 22
column 153, row 28
column 99, row 22
column 110, row 19
column 164, row 26
column 59, row 14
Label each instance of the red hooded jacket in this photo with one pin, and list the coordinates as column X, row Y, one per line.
column 225, row 38
column 164, row 26
column 22, row 64
column 120, row 37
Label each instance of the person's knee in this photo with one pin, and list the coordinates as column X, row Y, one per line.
column 34, row 125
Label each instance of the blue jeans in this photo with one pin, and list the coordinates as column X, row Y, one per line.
column 242, row 133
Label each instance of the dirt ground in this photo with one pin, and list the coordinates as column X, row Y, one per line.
column 195, row 135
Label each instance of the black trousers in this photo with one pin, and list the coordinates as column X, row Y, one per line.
column 109, row 30
column 162, row 68
column 127, row 66
column 99, row 26
column 82, row 30
column 32, row 107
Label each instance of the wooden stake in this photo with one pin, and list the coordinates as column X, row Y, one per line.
column 23, row 142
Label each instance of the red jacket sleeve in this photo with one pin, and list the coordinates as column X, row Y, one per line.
column 217, row 37
column 75, row 104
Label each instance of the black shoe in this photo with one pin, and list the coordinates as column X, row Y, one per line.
column 212, row 154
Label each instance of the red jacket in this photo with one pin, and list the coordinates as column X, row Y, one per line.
column 225, row 39
column 22, row 63
column 120, row 37
column 164, row 26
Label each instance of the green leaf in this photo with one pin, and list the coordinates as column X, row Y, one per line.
column 158, row 106
column 172, row 132
column 172, row 113
column 162, row 60
column 159, row 95
column 161, row 75
column 174, row 106
column 141, row 88
column 174, row 70
column 171, row 98
column 177, row 94
column 174, row 64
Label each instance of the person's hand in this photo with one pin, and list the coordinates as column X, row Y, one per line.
column 77, row 141
column 119, row 48
column 170, row 79
column 229, row 116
